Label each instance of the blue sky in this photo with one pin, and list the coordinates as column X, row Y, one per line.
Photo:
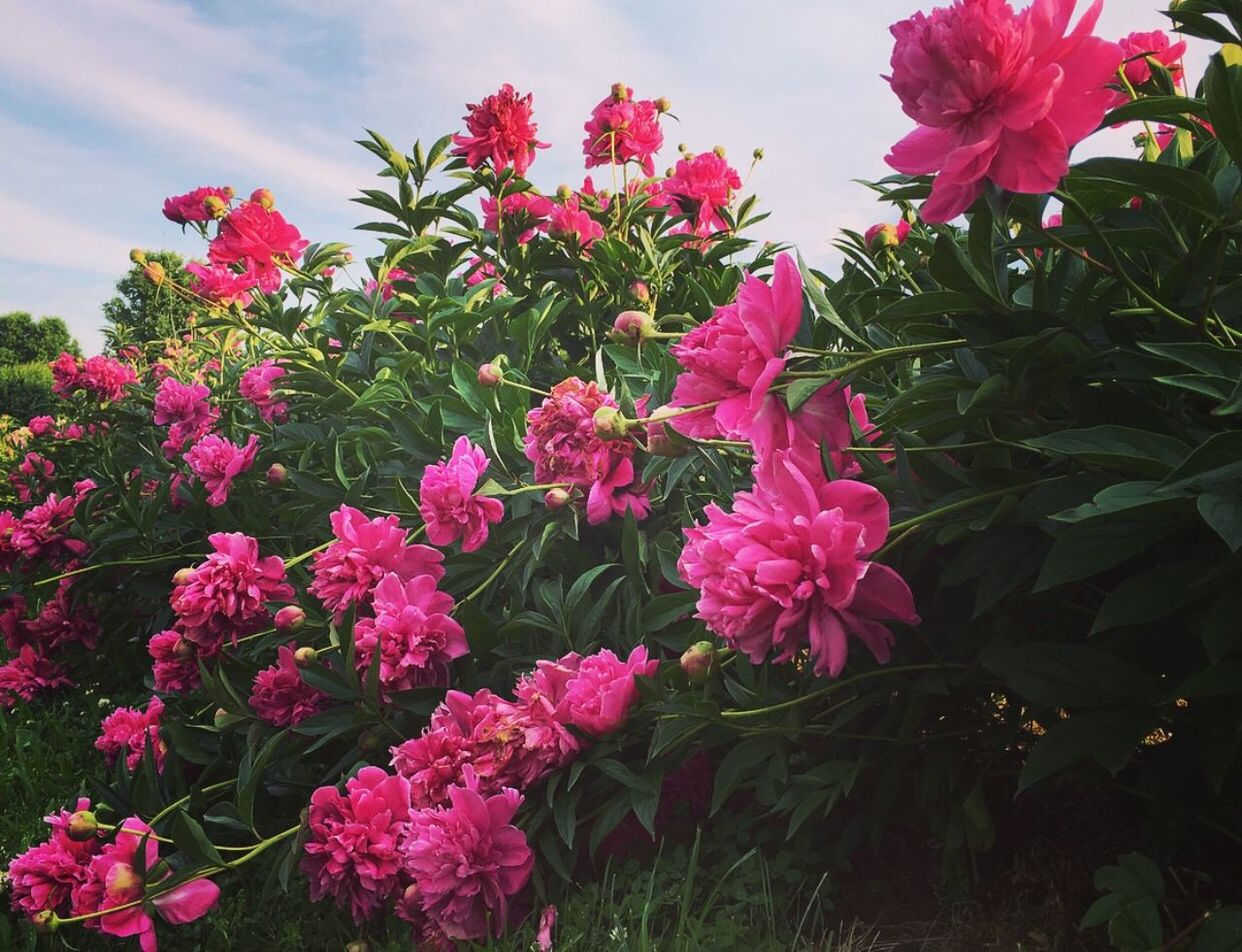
column 111, row 105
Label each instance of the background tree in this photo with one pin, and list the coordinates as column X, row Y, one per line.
column 25, row 340
column 144, row 311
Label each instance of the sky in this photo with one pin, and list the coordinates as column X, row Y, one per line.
column 109, row 106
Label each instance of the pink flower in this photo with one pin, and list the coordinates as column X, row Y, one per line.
column 217, row 462
column 258, row 239
column 129, row 731
column 44, row 877
column 560, row 435
column 501, row 130
column 42, row 532
column 568, row 222
column 102, row 377
column 733, row 358
column 66, row 373
column 467, row 859
column 114, row 882
column 447, row 502
column 28, row 675
column 622, row 129
column 226, row 596
column 281, row 697
column 256, row 385
column 189, row 207
column 547, row 922
column 186, row 410
column 823, row 423
column 176, row 663
column 521, row 215
column 884, row 235
column 412, row 629
column 60, row 623
column 387, row 289
column 599, row 696
column 220, row 284
column 700, row 187
column 616, row 492
column 1137, row 47
column 478, row 271
column 353, row 850
column 41, row 424
column 364, row 552
column 787, row 568
column 998, row 96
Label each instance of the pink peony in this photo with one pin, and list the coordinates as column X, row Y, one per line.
column 599, row 696
column 41, row 425
column 44, row 877
column 189, row 207
column 998, row 96
column 568, row 222
column 617, row 492
column 387, row 289
column 129, row 731
column 256, row 385
column 260, row 240
column 447, row 502
column 364, row 552
column 175, row 667
column 501, row 130
column 102, row 377
column 521, row 215
column 478, row 271
column 42, row 532
column 700, row 186
column 60, row 623
column 353, row 849
column 186, row 410
column 226, row 596
column 881, row 236
column 623, row 129
column 467, row 859
column 217, row 462
column 28, row 675
column 733, row 358
column 787, row 568
column 281, row 697
column 560, row 435
column 220, row 284
column 824, row 423
column 1138, row 47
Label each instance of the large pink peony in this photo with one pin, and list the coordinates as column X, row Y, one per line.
column 468, row 859
column 502, row 131
column 366, row 550
column 175, row 662
column 353, row 848
column 700, row 186
column 570, row 222
column 43, row 531
column 520, row 215
column 220, row 284
column 45, row 876
column 998, row 96
column 258, row 384
column 601, row 692
column 281, row 697
column 186, row 410
column 447, row 501
column 130, row 731
column 217, row 462
column 259, row 240
column 788, row 568
column 191, row 206
column 623, row 129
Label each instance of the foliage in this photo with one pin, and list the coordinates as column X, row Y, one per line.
column 142, row 311
column 25, row 390
column 24, row 340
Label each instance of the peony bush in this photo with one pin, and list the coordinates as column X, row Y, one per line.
column 413, row 586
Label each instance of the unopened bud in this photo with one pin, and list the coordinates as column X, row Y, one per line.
column 640, row 292
column 183, row 576
column 631, row 327
column 304, row 656
column 370, row 741
column 45, row 922
column 137, row 256
column 620, row 92
column 490, row 375
column 697, row 661
column 663, row 105
column 215, row 206
column 182, row 650
column 610, row 423
column 556, row 498
column 358, row 945
column 222, row 718
column 82, row 826
column 277, row 475
column 683, row 148
column 659, row 443
column 757, row 155
column 261, row 196
column 719, row 151
column 289, row 619
column 563, row 192
column 154, row 272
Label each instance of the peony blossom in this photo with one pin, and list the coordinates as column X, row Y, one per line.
column 191, row 206
column 386, row 288
column 29, row 674
column 601, row 692
column 60, row 623
column 42, row 532
column 44, row 877
column 699, row 187
column 129, row 731
column 502, row 131
column 281, row 697
column 257, row 385
column 824, row 424
column 881, row 236
column 788, row 569
column 101, row 377
column 568, row 222
column 1139, row 47
column 364, row 552
column 617, row 492
column 468, row 859
column 622, row 129
column 187, row 412
column 354, row 839
column 998, row 96
column 175, row 668
column 217, row 462
column 478, row 271
column 447, row 502
column 260, row 241
column 519, row 216
column 220, row 284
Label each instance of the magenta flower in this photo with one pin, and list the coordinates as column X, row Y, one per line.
column 998, row 96
column 502, row 131
column 822, row 424
column 599, row 696
column 226, row 595
column 175, row 667
column 217, row 462
column 447, row 502
column 257, row 386
column 191, row 206
column 616, row 492
column 29, row 674
column 42, row 532
column 259, row 240
column 44, row 877
column 364, row 552
column 788, row 568
column 521, row 215
column 281, row 697
column 220, row 284
column 733, row 358
column 468, row 859
column 560, row 436
column 102, row 377
column 353, row 850
column 187, row 412
column 1138, row 47
column 478, row 271
column 387, row 289
column 569, row 222
column 60, row 623
column 700, row 186
column 622, row 129
column 129, row 731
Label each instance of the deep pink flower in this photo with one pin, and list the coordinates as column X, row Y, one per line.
column 478, row 271
column 1137, row 47
column 281, row 697
column 189, row 207
column 468, row 859
column 353, row 850
column 28, row 675
column 561, row 440
column 258, row 239
column 41, row 424
column 824, row 423
column 733, row 358
column 13, row 621
column 186, row 410
column 226, row 595
column 569, row 222
column 66, row 372
column 42, row 532
column 616, row 492
column 998, row 96
column 521, row 215
column 364, row 552
column 175, row 658
column 447, row 502
column 788, row 568
column 45, row 876
column 60, row 623
column 599, row 696
column 623, row 130
column 129, row 731
column 217, row 462
column 501, row 130
column 220, row 284
column 387, row 289
column 700, row 186
column 256, row 385
column 547, row 922
column 102, row 377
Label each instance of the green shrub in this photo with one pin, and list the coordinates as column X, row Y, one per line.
column 26, row 391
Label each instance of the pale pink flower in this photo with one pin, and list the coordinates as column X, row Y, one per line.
column 623, row 130
column 547, row 922
column 129, row 731
column 599, row 696
column 257, row 385
column 189, row 207
column 998, row 96
column 281, row 697
column 217, row 462
column 502, row 131
column 447, row 502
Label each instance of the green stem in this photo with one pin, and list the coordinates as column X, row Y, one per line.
column 966, row 504
column 838, row 685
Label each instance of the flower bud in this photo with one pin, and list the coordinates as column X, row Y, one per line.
column 215, row 205
column 697, row 661
column 757, row 155
column 45, row 922
column 289, row 619
column 610, row 423
column 183, row 576
column 663, row 105
column 222, row 718
column 358, row 945
column 631, row 327
column 304, row 656
column 277, row 475
column 154, row 272
column 137, row 256
column 720, row 151
column 262, row 196
column 556, row 498
column 182, row 650
column 370, row 741
column 490, row 375
column 564, row 192
column 640, row 292
column 82, row 826
column 659, row 443
column 620, row 92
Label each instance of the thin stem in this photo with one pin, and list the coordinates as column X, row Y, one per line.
column 838, row 685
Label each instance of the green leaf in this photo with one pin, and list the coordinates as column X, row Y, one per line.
column 1110, row 737
column 1219, row 457
column 1222, row 89
column 1088, row 548
column 745, row 756
column 663, row 610
column 191, row 840
column 1121, row 447
column 1069, row 675
column 1221, row 931
column 1148, row 596
column 929, row 305
column 1165, row 181
column 1222, row 510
